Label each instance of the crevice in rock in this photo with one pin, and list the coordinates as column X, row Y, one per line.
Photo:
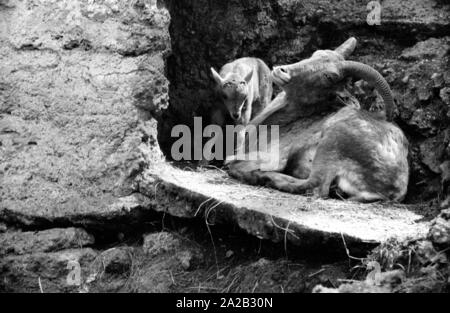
column 106, row 230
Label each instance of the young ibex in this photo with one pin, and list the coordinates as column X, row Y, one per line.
column 245, row 87
column 364, row 153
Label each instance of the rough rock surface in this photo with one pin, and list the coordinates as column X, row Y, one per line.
column 128, row 210
column 42, row 261
column 116, row 261
column 188, row 254
column 46, row 272
column 19, row 243
column 80, row 83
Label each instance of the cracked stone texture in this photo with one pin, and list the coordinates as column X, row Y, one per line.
column 19, row 243
column 116, row 261
column 24, row 273
column 410, row 48
column 28, row 259
column 80, row 84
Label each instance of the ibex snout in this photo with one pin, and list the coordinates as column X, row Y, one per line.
column 281, row 75
column 236, row 115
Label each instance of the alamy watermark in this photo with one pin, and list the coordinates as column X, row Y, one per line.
column 237, row 141
column 74, row 276
column 374, row 16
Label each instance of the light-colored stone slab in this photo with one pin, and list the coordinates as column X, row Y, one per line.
column 274, row 215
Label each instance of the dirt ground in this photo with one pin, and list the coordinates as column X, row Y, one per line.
column 173, row 255
column 217, row 259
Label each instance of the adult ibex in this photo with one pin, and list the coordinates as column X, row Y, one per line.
column 363, row 152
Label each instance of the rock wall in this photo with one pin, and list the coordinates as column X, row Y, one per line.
column 410, row 48
column 80, row 84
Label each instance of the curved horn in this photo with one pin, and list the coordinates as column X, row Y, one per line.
column 347, row 48
column 219, row 80
column 369, row 74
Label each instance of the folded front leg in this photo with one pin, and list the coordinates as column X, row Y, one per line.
column 281, row 181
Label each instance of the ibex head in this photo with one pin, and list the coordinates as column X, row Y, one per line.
column 316, row 79
column 233, row 89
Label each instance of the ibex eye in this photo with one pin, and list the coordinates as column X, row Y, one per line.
column 329, row 77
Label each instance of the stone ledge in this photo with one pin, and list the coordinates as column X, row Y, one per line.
column 119, row 211
column 268, row 213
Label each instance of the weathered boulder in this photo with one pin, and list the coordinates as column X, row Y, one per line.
column 186, row 252
column 401, row 267
column 115, row 261
column 41, row 261
column 80, row 83
column 111, row 270
column 62, row 271
column 18, row 243
column 429, row 49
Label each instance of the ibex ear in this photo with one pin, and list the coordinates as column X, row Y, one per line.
column 216, row 76
column 249, row 76
column 347, row 48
